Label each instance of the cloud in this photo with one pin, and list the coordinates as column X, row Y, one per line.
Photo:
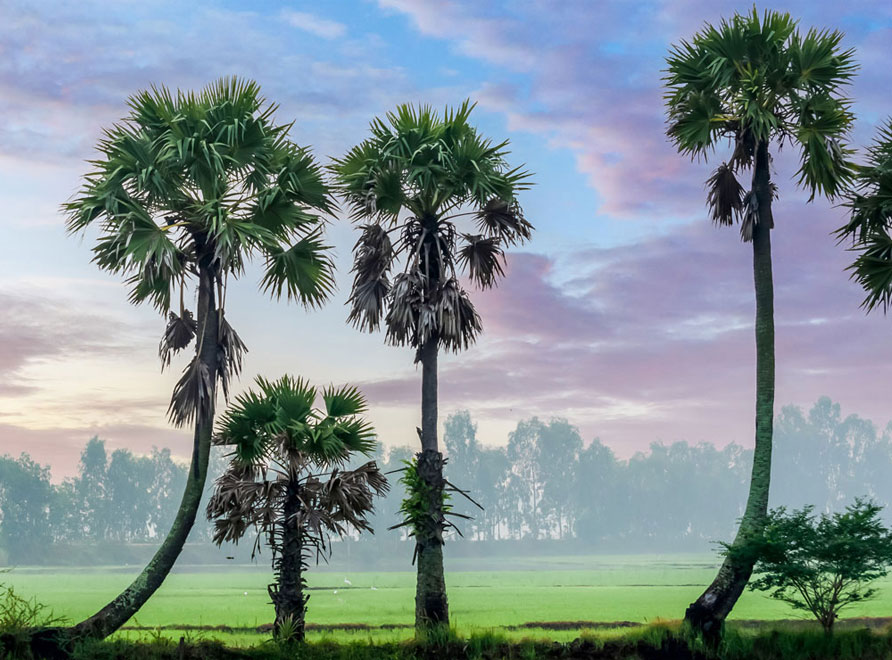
column 321, row 27
column 67, row 71
column 587, row 76
column 38, row 328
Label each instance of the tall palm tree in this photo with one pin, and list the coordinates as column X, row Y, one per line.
column 186, row 190
column 870, row 222
column 286, row 481
column 759, row 83
column 413, row 178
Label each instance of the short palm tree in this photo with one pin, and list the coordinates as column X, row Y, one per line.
column 286, row 482
column 186, row 190
column 409, row 182
column 870, row 223
column 758, row 83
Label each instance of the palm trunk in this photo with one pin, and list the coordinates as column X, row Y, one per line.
column 708, row 613
column 114, row 615
column 288, row 592
column 431, row 606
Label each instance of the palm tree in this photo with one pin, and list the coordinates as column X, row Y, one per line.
column 278, row 482
column 187, row 189
column 415, row 176
column 759, row 84
column 870, row 222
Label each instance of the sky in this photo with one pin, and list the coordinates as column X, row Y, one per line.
column 628, row 313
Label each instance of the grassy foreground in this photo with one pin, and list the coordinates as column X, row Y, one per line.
column 657, row 641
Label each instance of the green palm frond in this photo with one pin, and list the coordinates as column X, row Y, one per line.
column 302, row 272
column 870, row 222
column 343, row 401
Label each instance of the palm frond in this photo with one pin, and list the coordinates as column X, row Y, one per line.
column 303, row 272
column 343, row 401
column 484, row 259
column 373, row 258
column 178, row 334
column 230, row 351
column 193, row 395
column 724, row 196
column 504, row 220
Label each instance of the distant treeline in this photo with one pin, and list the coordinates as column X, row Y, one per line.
column 545, row 485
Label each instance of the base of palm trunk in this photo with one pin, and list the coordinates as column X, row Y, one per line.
column 431, row 604
column 291, row 608
column 706, row 616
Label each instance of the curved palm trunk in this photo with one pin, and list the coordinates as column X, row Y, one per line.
column 708, row 613
column 288, row 592
column 117, row 612
column 431, row 606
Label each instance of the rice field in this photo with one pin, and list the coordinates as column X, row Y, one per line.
column 546, row 597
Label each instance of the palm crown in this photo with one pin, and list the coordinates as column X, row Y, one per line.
column 194, row 185
column 870, row 203
column 280, row 443
column 753, row 81
column 414, row 176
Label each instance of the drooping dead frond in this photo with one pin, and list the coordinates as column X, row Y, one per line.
column 483, row 258
column 193, row 394
column 744, row 149
column 406, row 301
column 504, row 220
column 724, row 195
column 457, row 319
column 178, row 335
column 230, row 351
column 373, row 259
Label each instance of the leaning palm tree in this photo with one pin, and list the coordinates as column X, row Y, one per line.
column 187, row 189
column 759, row 83
column 408, row 183
column 286, row 482
column 870, row 222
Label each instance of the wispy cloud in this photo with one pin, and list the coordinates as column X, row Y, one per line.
column 321, row 27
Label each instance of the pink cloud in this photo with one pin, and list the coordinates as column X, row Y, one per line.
column 594, row 73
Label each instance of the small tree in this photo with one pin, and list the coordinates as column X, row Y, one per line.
column 279, row 483
column 821, row 564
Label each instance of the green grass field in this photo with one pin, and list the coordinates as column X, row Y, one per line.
column 504, row 594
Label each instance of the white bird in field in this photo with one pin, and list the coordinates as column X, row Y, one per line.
column 374, row 588
column 246, row 593
column 346, row 581
column 336, row 592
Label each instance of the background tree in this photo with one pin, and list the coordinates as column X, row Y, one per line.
column 416, row 175
column 759, row 83
column 278, row 482
column 26, row 496
column 821, row 565
column 186, row 190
